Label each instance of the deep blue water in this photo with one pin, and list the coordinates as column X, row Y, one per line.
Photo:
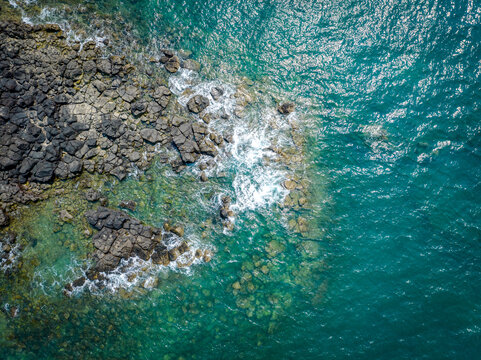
column 388, row 97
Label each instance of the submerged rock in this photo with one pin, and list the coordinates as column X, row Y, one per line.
column 191, row 64
column 286, row 108
column 129, row 204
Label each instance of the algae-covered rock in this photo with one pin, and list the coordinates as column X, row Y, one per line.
column 274, row 248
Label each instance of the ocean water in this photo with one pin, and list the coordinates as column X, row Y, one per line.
column 385, row 145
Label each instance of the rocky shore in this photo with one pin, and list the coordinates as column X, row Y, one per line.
column 66, row 109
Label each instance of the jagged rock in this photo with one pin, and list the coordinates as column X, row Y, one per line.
column 162, row 96
column 111, row 127
column 129, row 93
column 127, row 237
column 138, row 108
column 207, row 147
column 197, row 103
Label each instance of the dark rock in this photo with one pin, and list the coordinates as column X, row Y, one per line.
column 286, row 108
column 107, row 262
column 111, row 127
column 43, row 171
column 138, row 108
column 197, row 103
column 79, row 282
column 224, row 213
column 173, row 254
column 4, row 219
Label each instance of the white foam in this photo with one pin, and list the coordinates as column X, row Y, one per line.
column 256, row 184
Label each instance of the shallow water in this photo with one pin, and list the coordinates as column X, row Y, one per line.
column 388, row 99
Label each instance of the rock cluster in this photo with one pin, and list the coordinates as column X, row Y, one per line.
column 197, row 103
column 171, row 62
column 121, row 237
column 226, row 213
column 193, row 139
column 64, row 108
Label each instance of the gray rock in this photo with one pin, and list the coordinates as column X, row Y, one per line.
column 150, row 135
column 138, row 108
column 129, row 93
column 197, row 103
column 104, row 66
column 216, row 92
column 92, row 195
column 134, row 156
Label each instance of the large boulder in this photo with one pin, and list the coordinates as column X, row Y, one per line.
column 151, row 135
column 197, row 103
column 173, row 64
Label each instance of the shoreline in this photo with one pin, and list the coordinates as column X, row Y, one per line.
column 66, row 110
column 99, row 115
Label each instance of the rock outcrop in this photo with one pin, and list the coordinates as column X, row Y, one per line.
column 121, row 237
column 65, row 109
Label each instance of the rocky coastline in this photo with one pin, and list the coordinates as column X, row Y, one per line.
column 66, row 109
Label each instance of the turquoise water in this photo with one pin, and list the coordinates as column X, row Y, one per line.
column 388, row 97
